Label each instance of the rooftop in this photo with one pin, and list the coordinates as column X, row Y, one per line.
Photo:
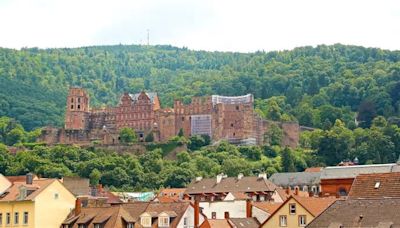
column 341, row 172
column 34, row 189
column 230, row 184
column 360, row 213
column 376, row 185
column 296, row 179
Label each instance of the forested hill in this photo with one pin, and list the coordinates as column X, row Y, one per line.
column 316, row 86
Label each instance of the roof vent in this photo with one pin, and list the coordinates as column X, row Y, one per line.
column 240, row 176
column 377, row 184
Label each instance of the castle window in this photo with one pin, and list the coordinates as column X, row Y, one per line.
column 79, row 99
column 237, row 107
column 231, row 124
column 79, row 106
column 72, row 107
column 234, row 133
column 72, row 100
column 183, row 118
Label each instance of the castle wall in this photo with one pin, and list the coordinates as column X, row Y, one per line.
column 223, row 118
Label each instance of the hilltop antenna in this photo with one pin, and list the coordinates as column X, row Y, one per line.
column 148, row 37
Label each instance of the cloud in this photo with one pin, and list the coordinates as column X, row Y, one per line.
column 225, row 25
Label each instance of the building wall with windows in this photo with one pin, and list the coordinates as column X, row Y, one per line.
column 52, row 206
column 292, row 219
column 217, row 209
column 20, row 208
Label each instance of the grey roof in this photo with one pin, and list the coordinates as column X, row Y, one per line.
column 360, row 213
column 296, row 179
column 77, row 185
column 151, row 95
column 217, row 99
column 230, row 184
column 339, row 172
column 245, row 222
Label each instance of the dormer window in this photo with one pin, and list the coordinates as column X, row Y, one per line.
column 129, row 225
column 163, row 221
column 145, row 221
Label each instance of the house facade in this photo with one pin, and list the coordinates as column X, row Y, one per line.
column 26, row 204
column 297, row 211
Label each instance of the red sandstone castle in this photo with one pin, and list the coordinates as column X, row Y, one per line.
column 220, row 117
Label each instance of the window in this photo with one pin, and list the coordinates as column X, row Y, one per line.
column 72, row 106
column 377, row 184
column 129, row 225
column 226, row 214
column 97, row 225
column 79, row 106
column 282, row 220
column 145, row 221
column 16, row 218
column 185, row 222
column 163, row 221
column 26, row 217
column 342, row 192
column 82, row 226
column 213, row 215
column 8, row 218
column 1, row 219
column 302, row 220
column 56, row 195
column 292, row 208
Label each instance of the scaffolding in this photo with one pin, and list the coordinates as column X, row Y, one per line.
column 201, row 125
column 216, row 99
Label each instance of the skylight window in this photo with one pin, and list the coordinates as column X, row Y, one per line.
column 377, row 184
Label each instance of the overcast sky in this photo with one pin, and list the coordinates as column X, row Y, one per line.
column 224, row 25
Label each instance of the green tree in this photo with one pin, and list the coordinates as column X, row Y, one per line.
column 288, row 160
column 95, row 177
column 149, row 137
column 127, row 135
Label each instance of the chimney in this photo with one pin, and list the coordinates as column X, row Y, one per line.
column 288, row 190
column 248, row 208
column 240, row 176
column 100, row 188
column 29, row 178
column 78, row 206
column 296, row 191
column 219, row 178
column 198, row 179
column 196, row 212
column 262, row 175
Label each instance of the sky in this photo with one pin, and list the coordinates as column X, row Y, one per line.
column 213, row 25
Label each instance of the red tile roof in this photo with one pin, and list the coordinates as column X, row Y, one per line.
column 269, row 207
column 376, row 185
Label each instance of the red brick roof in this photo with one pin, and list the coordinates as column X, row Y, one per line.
column 315, row 205
column 313, row 169
column 376, row 185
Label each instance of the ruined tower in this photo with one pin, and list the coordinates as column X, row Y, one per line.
column 77, row 112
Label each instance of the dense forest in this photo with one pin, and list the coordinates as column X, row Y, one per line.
column 350, row 94
column 315, row 86
column 155, row 169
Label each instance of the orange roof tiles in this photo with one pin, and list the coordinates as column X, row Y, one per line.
column 269, row 207
column 376, row 185
column 315, row 205
column 37, row 187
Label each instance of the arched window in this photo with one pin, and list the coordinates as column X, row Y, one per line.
column 342, row 192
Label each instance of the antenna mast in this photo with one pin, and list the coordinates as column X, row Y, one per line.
column 148, row 37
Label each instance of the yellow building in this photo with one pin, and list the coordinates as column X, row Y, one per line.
column 297, row 212
column 42, row 203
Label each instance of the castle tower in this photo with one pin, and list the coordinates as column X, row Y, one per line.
column 77, row 112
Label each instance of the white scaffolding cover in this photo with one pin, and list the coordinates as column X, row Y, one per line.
column 201, row 125
column 217, row 99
